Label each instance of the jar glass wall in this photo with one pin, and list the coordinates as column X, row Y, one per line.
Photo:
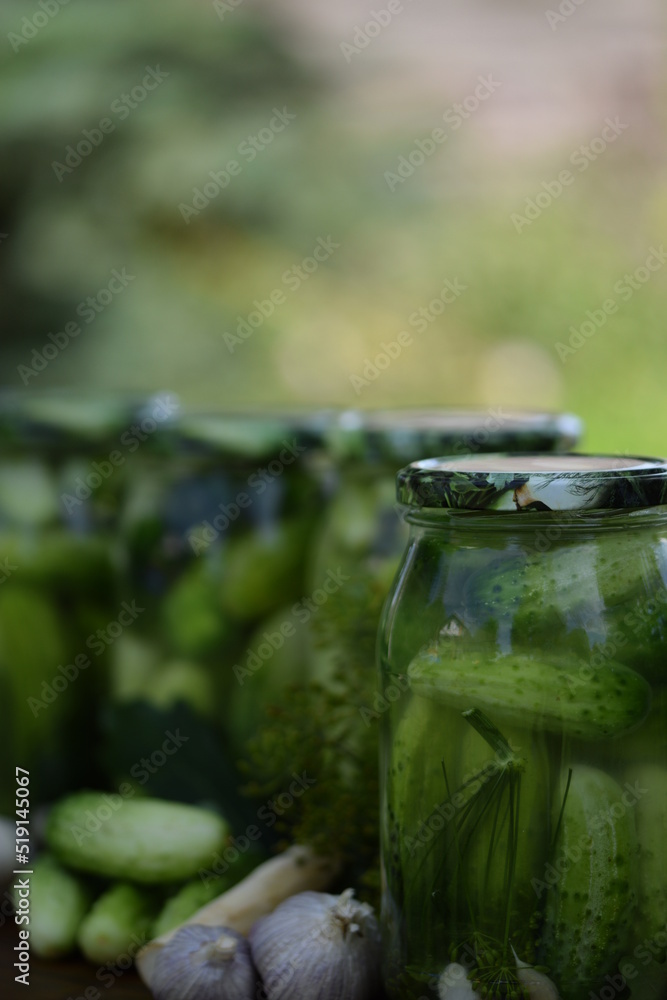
column 60, row 492
column 217, row 523
column 524, row 755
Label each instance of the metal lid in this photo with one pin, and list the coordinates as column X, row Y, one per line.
column 514, row 482
column 399, row 436
column 62, row 418
column 250, row 435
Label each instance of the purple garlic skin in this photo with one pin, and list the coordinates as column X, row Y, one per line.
column 315, row 946
column 205, row 963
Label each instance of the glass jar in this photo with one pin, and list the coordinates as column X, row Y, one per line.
column 62, row 462
column 217, row 524
column 523, row 658
column 361, row 535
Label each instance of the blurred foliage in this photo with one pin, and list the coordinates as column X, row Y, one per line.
column 322, row 176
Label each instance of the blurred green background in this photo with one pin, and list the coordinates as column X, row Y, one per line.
column 98, row 173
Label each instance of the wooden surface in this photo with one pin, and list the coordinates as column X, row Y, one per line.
column 65, row 980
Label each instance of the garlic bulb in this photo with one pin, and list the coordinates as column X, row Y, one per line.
column 295, row 870
column 454, row 984
column 317, row 945
column 205, row 963
column 538, row 986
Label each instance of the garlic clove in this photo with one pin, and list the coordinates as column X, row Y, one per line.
column 318, row 945
column 454, row 984
column 205, row 963
column 539, row 986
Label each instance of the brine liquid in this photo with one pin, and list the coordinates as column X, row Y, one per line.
column 478, row 847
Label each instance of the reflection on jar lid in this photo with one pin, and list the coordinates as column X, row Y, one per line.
column 516, row 482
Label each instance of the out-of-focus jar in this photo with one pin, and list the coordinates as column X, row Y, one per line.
column 523, row 655
column 217, row 525
column 62, row 465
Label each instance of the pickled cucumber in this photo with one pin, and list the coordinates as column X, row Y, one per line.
column 649, row 785
column 592, row 903
column 562, row 695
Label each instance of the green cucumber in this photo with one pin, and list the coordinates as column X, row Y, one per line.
column 648, row 743
column 641, row 630
column 611, row 570
column 415, row 818
column 275, row 658
column 185, row 681
column 262, row 570
column 192, row 620
column 118, row 923
column 32, row 646
column 59, row 901
column 592, row 899
column 648, row 785
column 28, row 493
column 562, row 695
column 426, row 734
column 145, row 840
column 577, row 595
column 134, row 662
column 197, row 893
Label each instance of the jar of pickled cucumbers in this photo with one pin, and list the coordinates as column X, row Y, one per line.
column 62, row 466
column 523, row 653
column 217, row 523
column 361, row 534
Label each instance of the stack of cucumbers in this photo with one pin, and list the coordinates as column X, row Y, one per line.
column 118, row 872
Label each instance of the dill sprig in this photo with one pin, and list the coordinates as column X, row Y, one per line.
column 320, row 729
column 488, row 816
